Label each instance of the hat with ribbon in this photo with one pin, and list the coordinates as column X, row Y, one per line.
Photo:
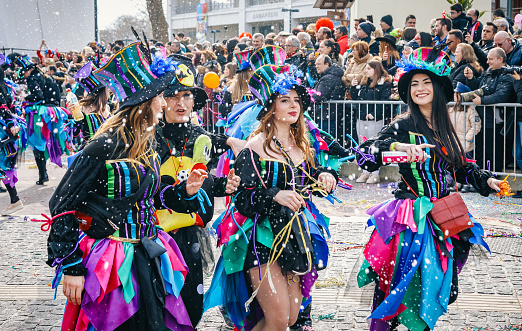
column 430, row 61
column 184, row 80
column 86, row 78
column 242, row 59
column 270, row 54
column 24, row 63
column 133, row 76
column 270, row 80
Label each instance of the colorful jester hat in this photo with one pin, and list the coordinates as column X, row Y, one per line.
column 270, row 54
column 85, row 77
column 242, row 59
column 134, row 77
column 270, row 80
column 430, row 61
column 24, row 63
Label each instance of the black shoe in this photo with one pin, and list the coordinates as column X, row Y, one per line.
column 42, row 179
column 518, row 195
column 465, row 189
column 2, row 190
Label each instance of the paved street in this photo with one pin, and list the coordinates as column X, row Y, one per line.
column 490, row 285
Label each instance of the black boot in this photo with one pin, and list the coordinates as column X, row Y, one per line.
column 39, row 157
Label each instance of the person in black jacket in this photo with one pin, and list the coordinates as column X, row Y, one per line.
column 459, row 19
column 492, row 87
column 464, row 58
column 475, row 29
column 330, row 87
column 482, row 48
column 376, row 85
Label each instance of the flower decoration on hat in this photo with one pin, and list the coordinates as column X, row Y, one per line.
column 427, row 58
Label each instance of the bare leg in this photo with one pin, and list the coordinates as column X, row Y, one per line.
column 280, row 308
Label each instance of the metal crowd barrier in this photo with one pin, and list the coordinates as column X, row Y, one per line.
column 494, row 137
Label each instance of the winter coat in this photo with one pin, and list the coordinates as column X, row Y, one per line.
column 467, row 125
column 462, row 22
column 457, row 73
column 330, row 85
column 481, row 51
column 477, row 35
column 343, row 43
column 514, row 58
column 298, row 59
column 42, row 88
column 380, row 92
column 498, row 88
column 355, row 69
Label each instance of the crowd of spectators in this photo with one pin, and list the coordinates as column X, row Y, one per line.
column 362, row 65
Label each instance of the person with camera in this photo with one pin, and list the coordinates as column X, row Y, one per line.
column 482, row 48
column 492, row 87
column 475, row 29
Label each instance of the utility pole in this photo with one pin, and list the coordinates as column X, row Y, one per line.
column 95, row 20
column 290, row 10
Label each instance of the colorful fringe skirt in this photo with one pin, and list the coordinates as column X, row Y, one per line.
column 49, row 130
column 9, row 150
column 127, row 289
column 230, row 288
column 415, row 271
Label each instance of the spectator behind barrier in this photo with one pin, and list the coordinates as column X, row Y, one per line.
column 356, row 65
column 459, row 19
column 517, row 152
column 441, row 30
column 485, row 45
column 341, row 37
column 410, row 22
column 464, row 58
column 455, row 37
column 475, row 29
column 511, row 46
column 364, row 33
column 492, row 87
column 294, row 56
column 305, row 41
column 386, row 24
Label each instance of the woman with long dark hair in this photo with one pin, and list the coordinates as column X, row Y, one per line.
column 413, row 255
column 122, row 272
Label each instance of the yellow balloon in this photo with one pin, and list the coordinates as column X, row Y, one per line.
column 211, row 80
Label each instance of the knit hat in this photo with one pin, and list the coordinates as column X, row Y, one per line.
column 133, row 77
column 367, row 27
column 184, row 81
column 86, row 78
column 268, row 55
column 388, row 19
column 430, row 61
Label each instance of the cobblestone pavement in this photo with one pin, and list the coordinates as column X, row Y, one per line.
column 490, row 285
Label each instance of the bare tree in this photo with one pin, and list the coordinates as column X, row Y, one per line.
column 160, row 27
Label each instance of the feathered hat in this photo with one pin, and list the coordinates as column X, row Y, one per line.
column 270, row 54
column 430, row 61
column 324, row 22
column 242, row 59
column 184, row 80
column 134, row 76
column 85, row 77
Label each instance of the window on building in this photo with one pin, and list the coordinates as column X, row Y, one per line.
column 262, row 2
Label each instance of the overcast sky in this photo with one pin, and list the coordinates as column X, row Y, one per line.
column 109, row 10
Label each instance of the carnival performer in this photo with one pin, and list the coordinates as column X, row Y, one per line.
column 122, row 272
column 49, row 129
column 12, row 139
column 184, row 147
column 418, row 246
column 274, row 243
column 94, row 110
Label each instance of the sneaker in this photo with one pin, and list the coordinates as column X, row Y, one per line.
column 363, row 178
column 465, row 189
column 373, row 179
column 13, row 207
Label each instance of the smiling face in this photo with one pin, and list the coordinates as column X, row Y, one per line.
column 179, row 107
column 323, row 49
column 421, row 90
column 157, row 106
column 287, row 108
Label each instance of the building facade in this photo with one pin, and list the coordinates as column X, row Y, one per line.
column 229, row 18
column 232, row 17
